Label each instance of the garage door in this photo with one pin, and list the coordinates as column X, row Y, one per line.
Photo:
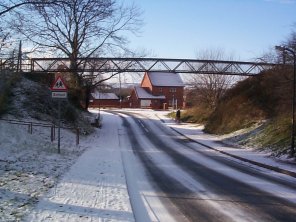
column 145, row 103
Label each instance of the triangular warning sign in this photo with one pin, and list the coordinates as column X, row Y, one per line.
column 59, row 85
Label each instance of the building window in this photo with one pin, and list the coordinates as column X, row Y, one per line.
column 173, row 90
column 160, row 89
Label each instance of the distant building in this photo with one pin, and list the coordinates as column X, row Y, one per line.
column 103, row 100
column 158, row 90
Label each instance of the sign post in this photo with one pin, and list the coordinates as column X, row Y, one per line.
column 59, row 92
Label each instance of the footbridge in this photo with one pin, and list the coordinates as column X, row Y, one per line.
column 104, row 65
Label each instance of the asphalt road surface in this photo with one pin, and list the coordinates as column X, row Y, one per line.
column 203, row 185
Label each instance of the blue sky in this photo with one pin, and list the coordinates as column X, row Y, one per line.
column 244, row 29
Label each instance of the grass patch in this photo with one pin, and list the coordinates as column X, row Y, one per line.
column 198, row 114
column 276, row 135
column 234, row 114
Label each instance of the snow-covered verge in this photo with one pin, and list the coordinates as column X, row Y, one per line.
column 247, row 138
column 30, row 165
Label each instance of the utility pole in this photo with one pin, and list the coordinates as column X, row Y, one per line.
column 19, row 58
column 120, row 99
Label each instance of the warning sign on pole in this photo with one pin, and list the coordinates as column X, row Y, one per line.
column 59, row 85
column 59, row 92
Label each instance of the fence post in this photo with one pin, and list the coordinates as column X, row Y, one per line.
column 30, row 128
column 51, row 133
column 32, row 65
column 77, row 136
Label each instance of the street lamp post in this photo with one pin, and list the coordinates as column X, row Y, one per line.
column 120, row 97
column 283, row 48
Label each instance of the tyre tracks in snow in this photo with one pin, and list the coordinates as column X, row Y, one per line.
column 254, row 201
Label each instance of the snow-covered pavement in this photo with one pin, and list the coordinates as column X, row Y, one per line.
column 95, row 187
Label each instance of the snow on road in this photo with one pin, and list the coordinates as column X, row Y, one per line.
column 195, row 132
column 149, row 203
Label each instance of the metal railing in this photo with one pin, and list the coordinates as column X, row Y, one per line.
column 52, row 127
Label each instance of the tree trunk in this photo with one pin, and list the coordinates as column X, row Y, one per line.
column 87, row 96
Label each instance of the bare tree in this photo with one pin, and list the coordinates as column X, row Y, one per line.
column 208, row 88
column 277, row 56
column 9, row 5
column 7, row 44
column 291, row 43
column 4, row 40
column 80, row 28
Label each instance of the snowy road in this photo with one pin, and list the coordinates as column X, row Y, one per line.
column 196, row 184
column 139, row 169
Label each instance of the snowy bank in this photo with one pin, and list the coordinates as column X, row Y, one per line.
column 30, row 165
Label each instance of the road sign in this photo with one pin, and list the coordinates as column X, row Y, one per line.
column 59, row 94
column 59, row 85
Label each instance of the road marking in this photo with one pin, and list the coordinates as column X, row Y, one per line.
column 143, row 126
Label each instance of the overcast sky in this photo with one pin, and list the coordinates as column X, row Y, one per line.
column 244, row 29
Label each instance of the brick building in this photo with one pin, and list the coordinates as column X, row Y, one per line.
column 158, row 90
column 103, row 100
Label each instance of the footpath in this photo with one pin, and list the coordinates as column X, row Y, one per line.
column 250, row 157
column 94, row 189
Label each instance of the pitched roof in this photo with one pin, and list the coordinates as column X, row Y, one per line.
column 104, row 96
column 165, row 79
column 143, row 94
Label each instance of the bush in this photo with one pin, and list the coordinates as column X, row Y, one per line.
column 70, row 114
column 233, row 115
column 197, row 114
column 255, row 99
column 8, row 80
